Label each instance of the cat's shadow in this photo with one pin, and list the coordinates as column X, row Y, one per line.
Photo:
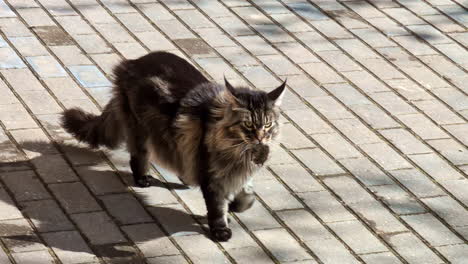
column 117, row 251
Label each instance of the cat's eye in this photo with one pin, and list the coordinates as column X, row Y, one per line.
column 248, row 124
column 267, row 125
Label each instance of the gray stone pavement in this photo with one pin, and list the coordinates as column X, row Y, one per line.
column 373, row 162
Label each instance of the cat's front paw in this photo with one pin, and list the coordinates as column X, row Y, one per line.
column 221, row 234
column 144, row 181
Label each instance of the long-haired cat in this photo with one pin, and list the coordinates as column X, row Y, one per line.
column 213, row 136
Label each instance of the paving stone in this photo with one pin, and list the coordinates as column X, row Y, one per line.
column 130, row 50
column 329, row 107
column 422, row 126
column 436, row 167
column 385, row 156
column 46, row 216
column 175, row 220
column 92, row 43
column 459, row 131
column 419, row 184
column 37, row 257
column 375, row 215
column 74, row 197
column 409, row 90
column 454, row 253
column 432, row 229
column 125, row 208
column 310, row 122
column 347, row 94
column 356, row 131
column 296, row 177
column 150, row 240
column 366, row 171
column 101, row 179
column 318, row 162
column 177, row 259
column 315, row 41
column 40, row 102
column 70, row 55
column 404, row 141
column 414, row 45
column 373, row 37
column 281, row 244
column 337, row 146
column 358, row 238
column 365, row 81
column 9, row 209
column 374, row 116
column 290, row 22
column 279, row 65
column 99, row 228
column 201, row 250
column 448, row 209
column 457, row 188
column 24, row 185
column 438, row 112
column 245, row 254
column 275, row 195
column 306, row 10
column 326, row 207
column 18, row 236
column 397, row 199
column 322, row 73
column 89, row 76
column 412, row 249
column 392, row 103
column 450, row 149
column 384, row 257
column 69, row 247
column 241, row 239
column 14, row 116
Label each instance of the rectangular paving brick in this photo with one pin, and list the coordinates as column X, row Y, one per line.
column 357, row 237
column 40, row 257
column 356, row 131
column 397, row 199
column 412, row 249
column 24, row 185
column 322, row 73
column 454, row 253
column 316, row 237
column 448, row 209
column 245, row 254
column 318, row 162
column 310, row 122
column 422, row 126
column 436, row 167
column 347, row 94
column 432, row 229
column 175, row 220
column 69, row 247
column 366, row 171
column 281, row 244
column 275, row 195
column 404, row 141
column 329, row 107
column 98, row 228
column 385, row 156
column 459, row 131
column 125, row 208
column 46, row 216
column 374, row 116
column 18, row 236
column 9, row 209
column 418, row 183
column 74, row 197
column 150, row 240
column 326, row 207
column 296, row 177
column 337, row 146
column 201, row 250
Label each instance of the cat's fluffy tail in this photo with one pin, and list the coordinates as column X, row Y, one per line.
column 102, row 130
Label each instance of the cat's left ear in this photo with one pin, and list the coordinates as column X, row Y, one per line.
column 277, row 94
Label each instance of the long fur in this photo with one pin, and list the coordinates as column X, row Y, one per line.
column 167, row 111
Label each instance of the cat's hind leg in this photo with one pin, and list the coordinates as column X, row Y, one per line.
column 139, row 159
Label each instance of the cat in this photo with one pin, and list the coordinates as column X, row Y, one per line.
column 212, row 136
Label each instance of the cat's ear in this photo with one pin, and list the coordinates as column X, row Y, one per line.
column 277, row 94
column 229, row 87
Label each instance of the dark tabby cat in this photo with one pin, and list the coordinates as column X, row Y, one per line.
column 212, row 136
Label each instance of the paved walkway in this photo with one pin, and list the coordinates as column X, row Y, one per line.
column 373, row 162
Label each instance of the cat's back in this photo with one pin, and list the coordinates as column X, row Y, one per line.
column 165, row 73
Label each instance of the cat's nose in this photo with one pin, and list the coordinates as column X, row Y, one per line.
column 260, row 135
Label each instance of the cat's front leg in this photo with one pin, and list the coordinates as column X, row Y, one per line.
column 216, row 205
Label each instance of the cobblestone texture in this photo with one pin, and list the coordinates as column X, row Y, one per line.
column 373, row 162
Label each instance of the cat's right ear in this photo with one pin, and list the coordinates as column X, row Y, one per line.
column 229, row 87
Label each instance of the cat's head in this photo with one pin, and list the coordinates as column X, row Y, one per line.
column 253, row 115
